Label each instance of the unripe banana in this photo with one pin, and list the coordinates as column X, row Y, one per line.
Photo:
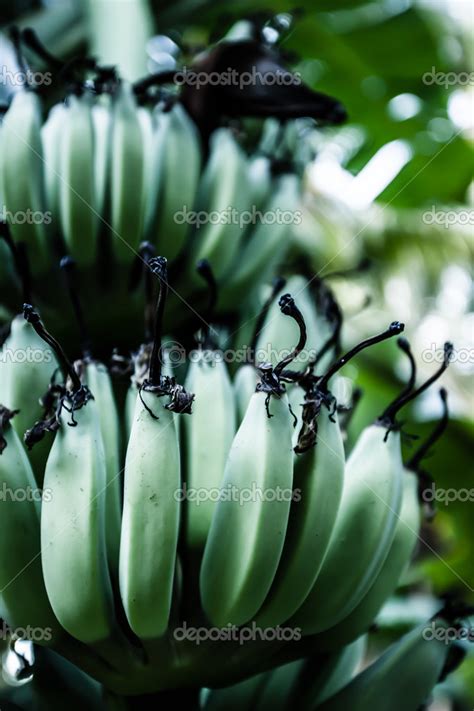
column 266, row 244
column 27, row 365
column 279, row 687
column 401, row 551
column 206, row 454
column 77, row 190
column 322, row 679
column 22, row 174
column 73, row 528
column 318, row 484
column 52, row 150
column 127, row 176
column 260, row 180
column 180, row 159
column 245, row 382
column 245, row 540
column 23, row 595
column 150, row 520
column 102, row 124
column 409, row 669
column 238, row 696
column 224, row 187
column 99, row 382
column 363, row 532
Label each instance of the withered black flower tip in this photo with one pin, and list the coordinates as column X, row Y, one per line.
column 397, row 327
column 30, row 314
column 287, row 304
column 67, row 262
column 159, row 266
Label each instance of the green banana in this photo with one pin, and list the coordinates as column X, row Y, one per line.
column 266, row 244
column 260, row 180
column 363, row 532
column 151, row 509
column 102, row 124
column 384, row 585
column 27, row 365
column 127, row 175
column 73, row 517
column 245, row 382
column 180, row 165
column 51, row 141
column 223, row 187
column 100, row 384
column 408, row 670
column 318, row 485
column 22, row 174
column 238, row 696
column 77, row 189
column 246, row 538
column 279, row 687
column 23, row 595
column 214, row 411
column 325, row 678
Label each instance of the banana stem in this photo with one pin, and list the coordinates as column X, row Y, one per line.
column 33, row 318
column 393, row 409
column 289, row 308
column 404, row 345
column 158, row 266
column 424, row 448
column 394, row 328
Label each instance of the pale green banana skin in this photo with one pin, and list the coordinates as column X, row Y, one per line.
column 22, row 171
column 260, row 180
column 130, row 402
column 150, row 521
column 77, row 189
column 23, row 595
column 127, row 176
column 406, row 672
column 363, row 532
column 245, row 541
column 318, row 481
column 245, row 382
column 102, row 124
column 73, row 529
column 224, row 184
column 99, row 382
column 51, row 141
column 181, row 166
column 214, row 412
column 265, row 246
column 401, row 551
column 22, row 384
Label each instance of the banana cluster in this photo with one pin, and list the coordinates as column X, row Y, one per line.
column 226, row 504
column 100, row 174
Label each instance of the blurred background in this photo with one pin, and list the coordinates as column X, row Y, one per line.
column 394, row 185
